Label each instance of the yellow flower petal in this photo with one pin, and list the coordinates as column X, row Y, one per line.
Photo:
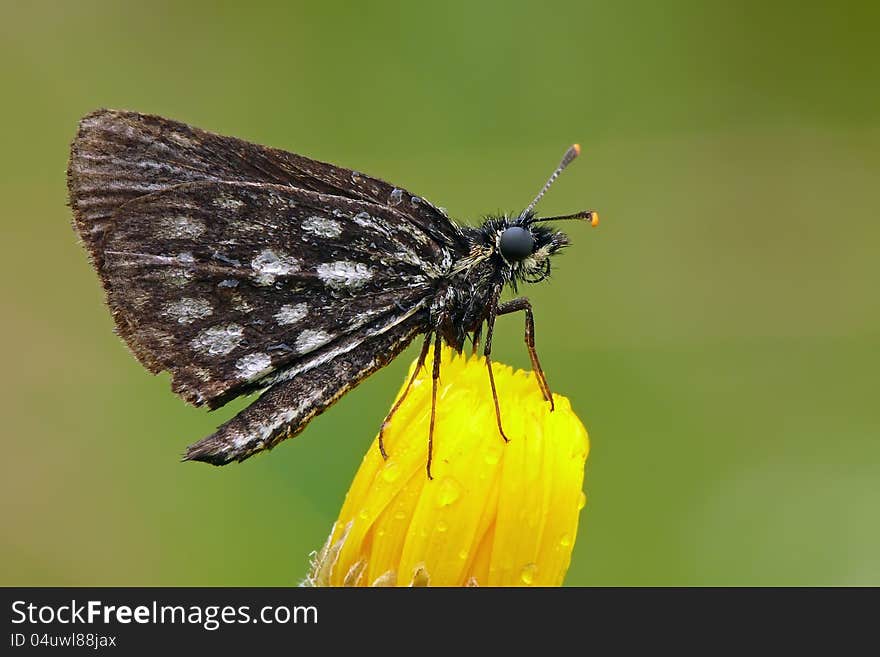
column 496, row 513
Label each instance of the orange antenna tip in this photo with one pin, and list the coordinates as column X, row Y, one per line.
column 576, row 148
column 594, row 218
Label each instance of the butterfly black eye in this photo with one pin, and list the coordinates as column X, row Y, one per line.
column 516, row 244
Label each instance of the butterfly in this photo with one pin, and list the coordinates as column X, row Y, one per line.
column 241, row 268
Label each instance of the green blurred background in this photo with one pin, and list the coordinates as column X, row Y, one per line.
column 719, row 334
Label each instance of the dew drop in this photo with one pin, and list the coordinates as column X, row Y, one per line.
column 364, row 514
column 565, row 541
column 356, row 177
column 528, row 572
column 463, row 554
column 582, row 502
column 492, row 455
column 414, row 201
column 399, row 515
column 450, row 490
column 441, row 527
column 396, row 196
column 390, row 472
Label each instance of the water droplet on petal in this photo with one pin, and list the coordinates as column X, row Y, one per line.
column 463, row 554
column 492, row 454
column 399, row 515
column 450, row 490
column 364, row 514
column 582, row 502
column 565, row 541
column 528, row 572
column 390, row 472
column 396, row 196
column 441, row 526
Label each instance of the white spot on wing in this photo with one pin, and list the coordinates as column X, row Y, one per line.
column 240, row 440
column 322, row 226
column 344, row 274
column 188, row 310
column 253, row 366
column 291, row 313
column 346, row 347
column 228, row 202
column 268, row 265
column 181, row 227
column 180, row 139
column 310, row 340
column 363, row 219
column 218, row 340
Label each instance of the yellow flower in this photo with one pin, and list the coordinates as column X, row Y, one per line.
column 495, row 513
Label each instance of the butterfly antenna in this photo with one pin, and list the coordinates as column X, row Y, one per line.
column 573, row 151
column 590, row 215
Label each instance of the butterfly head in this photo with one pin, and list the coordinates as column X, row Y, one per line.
column 527, row 247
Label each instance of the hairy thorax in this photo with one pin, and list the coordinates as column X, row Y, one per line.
column 465, row 296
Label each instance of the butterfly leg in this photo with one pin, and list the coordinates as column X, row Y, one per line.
column 487, row 354
column 420, row 363
column 435, row 379
column 523, row 304
column 476, row 339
